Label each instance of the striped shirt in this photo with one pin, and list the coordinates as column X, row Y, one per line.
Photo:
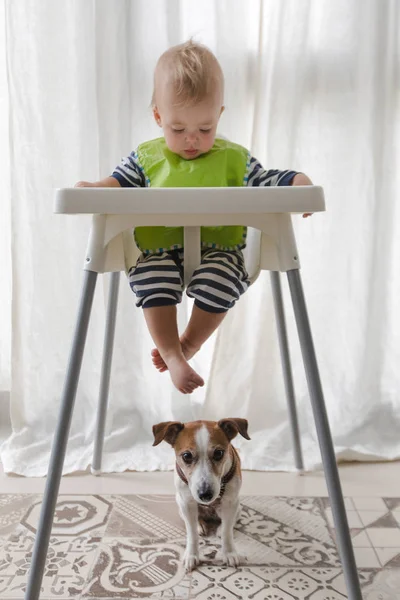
column 129, row 174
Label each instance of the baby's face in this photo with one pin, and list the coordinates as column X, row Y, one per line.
column 189, row 131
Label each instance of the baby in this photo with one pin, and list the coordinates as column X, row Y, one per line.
column 187, row 103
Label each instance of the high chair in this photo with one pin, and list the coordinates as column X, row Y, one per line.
column 111, row 249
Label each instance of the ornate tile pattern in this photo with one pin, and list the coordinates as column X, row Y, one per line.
column 115, row 547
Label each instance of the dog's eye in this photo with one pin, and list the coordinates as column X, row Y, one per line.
column 218, row 454
column 187, row 457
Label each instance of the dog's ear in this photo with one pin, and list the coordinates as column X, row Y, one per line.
column 167, row 431
column 231, row 427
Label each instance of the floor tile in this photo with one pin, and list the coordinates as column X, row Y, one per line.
column 384, row 586
column 209, row 583
column 368, row 517
column 387, row 521
column 396, row 514
column 13, row 507
column 388, row 556
column 265, row 583
column 352, row 518
column 67, row 565
column 74, row 515
column 124, row 565
column 366, row 558
column 392, row 503
column 361, row 540
column 145, row 515
column 348, row 503
column 384, row 538
column 369, row 503
column 295, row 529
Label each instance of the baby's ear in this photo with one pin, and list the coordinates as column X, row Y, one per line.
column 156, row 116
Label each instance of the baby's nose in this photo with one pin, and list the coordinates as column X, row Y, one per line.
column 191, row 137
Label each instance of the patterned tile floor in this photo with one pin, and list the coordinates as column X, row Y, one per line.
column 125, row 546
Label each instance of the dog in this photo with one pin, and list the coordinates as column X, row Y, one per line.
column 207, row 479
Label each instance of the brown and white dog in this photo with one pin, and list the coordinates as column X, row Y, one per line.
column 207, row 480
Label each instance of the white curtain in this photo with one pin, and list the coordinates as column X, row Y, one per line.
column 313, row 86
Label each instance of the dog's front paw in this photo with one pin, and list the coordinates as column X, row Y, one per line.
column 232, row 559
column 191, row 561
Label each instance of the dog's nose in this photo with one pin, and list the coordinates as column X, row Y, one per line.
column 206, row 494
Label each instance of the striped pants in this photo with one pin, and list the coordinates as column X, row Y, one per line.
column 217, row 283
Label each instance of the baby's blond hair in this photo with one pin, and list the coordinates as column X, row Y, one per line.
column 193, row 71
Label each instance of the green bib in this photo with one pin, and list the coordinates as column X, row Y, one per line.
column 225, row 165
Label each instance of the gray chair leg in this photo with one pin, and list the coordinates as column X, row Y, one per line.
column 105, row 372
column 60, row 440
column 324, row 437
column 286, row 366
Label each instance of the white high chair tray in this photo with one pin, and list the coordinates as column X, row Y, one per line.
column 174, row 201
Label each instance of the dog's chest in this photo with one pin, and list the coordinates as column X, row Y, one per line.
column 209, row 517
column 211, row 510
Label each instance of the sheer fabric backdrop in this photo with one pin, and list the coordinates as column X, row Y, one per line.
column 312, row 86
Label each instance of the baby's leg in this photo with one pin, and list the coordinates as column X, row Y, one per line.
column 162, row 324
column 157, row 283
column 201, row 326
column 216, row 285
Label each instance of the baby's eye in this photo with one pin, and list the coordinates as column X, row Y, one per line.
column 205, row 130
column 178, row 130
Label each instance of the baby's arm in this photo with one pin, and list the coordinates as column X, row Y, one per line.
column 258, row 176
column 107, row 182
column 301, row 179
column 127, row 174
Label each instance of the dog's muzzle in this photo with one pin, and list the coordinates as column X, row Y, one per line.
column 206, row 493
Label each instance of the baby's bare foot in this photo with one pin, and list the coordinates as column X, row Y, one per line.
column 188, row 352
column 184, row 378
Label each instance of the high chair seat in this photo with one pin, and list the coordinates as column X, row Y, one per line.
column 271, row 246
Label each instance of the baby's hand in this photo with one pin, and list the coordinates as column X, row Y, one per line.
column 85, row 184
column 301, row 179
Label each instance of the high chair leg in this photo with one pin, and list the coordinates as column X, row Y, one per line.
column 60, row 439
column 324, row 437
column 105, row 372
column 286, row 367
